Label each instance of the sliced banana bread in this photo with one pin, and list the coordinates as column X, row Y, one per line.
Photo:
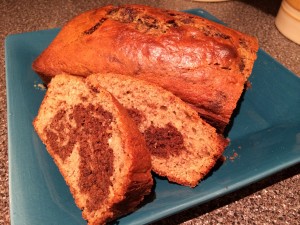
column 96, row 146
column 183, row 147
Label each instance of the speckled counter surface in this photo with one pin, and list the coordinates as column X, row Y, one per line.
column 274, row 200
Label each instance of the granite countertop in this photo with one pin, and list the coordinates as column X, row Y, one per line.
column 273, row 200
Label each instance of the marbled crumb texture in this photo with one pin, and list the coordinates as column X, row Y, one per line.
column 275, row 200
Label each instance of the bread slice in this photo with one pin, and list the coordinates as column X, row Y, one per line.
column 183, row 147
column 204, row 63
column 96, row 146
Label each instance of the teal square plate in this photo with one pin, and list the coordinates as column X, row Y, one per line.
column 265, row 138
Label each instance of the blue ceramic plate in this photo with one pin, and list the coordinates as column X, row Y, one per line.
column 265, row 136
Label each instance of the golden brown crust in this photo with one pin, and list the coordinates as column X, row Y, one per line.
column 202, row 62
column 64, row 95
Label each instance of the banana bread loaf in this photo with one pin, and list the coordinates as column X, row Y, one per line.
column 183, row 147
column 204, row 63
column 96, row 146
